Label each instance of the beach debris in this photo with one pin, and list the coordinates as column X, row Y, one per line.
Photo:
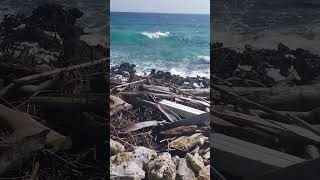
column 162, row 167
column 184, row 171
column 204, row 173
column 167, row 119
column 186, row 143
column 53, row 116
column 116, row 147
column 263, row 110
column 128, row 169
column 196, row 161
column 143, row 155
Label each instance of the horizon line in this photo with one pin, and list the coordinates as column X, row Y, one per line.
column 158, row 12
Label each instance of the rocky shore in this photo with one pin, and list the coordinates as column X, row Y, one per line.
column 264, row 102
column 53, row 102
column 159, row 125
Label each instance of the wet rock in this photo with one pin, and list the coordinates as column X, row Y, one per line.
column 162, row 168
column 127, row 169
column 184, row 171
column 116, row 147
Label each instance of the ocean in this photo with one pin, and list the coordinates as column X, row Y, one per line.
column 94, row 20
column 265, row 23
column 176, row 43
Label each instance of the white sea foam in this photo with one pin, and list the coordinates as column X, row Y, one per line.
column 205, row 59
column 156, row 35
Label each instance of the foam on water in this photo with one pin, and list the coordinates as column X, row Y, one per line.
column 205, row 59
column 156, row 35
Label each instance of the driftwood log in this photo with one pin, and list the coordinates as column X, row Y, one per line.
column 297, row 98
column 117, row 105
column 31, row 78
column 205, row 92
column 26, row 136
column 287, row 118
column 95, row 104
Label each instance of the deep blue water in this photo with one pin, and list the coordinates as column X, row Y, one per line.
column 178, row 43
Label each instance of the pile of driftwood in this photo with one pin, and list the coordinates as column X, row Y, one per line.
column 264, row 123
column 52, row 102
column 159, row 126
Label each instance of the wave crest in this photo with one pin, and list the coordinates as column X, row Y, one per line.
column 156, row 35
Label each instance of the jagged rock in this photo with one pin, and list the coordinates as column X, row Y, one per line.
column 186, row 143
column 122, row 157
column 162, row 168
column 116, row 147
column 184, row 171
column 204, row 173
column 143, row 155
column 127, row 169
column 196, row 161
column 283, row 48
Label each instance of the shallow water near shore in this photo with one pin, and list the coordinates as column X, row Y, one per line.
column 177, row 43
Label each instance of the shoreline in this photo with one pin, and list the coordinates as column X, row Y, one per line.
column 46, row 74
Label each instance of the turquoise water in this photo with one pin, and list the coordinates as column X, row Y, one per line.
column 178, row 43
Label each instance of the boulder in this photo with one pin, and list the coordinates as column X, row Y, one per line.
column 116, row 147
column 162, row 168
column 184, row 171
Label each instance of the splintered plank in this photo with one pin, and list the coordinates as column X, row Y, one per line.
column 281, row 129
column 181, row 110
column 246, row 159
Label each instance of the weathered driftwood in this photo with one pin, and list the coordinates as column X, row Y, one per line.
column 196, row 92
column 286, row 118
column 230, row 154
column 27, row 136
column 181, row 110
column 198, row 120
column 167, row 96
column 253, row 135
column 305, row 170
column 128, row 84
column 141, row 125
column 27, row 79
column 297, row 98
column 179, row 131
column 117, row 105
column 16, row 68
column 278, row 128
column 95, row 104
column 31, row 89
column 5, row 90
column 171, row 116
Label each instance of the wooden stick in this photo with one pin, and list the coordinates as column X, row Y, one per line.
column 27, row 79
column 289, row 118
column 128, row 84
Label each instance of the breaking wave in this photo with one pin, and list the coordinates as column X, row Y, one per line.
column 156, row 35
